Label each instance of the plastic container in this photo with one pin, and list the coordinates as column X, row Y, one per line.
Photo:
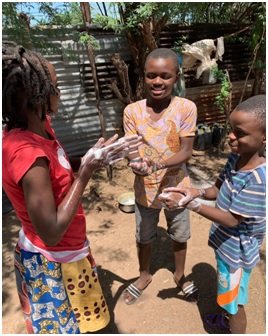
column 203, row 137
column 217, row 134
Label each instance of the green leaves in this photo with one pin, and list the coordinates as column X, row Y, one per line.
column 88, row 39
column 107, row 22
column 220, row 99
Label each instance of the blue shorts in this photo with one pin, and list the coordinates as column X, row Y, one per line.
column 178, row 224
column 232, row 286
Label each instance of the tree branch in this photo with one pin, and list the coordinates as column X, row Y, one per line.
column 255, row 52
column 235, row 33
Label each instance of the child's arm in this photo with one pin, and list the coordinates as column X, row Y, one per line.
column 144, row 166
column 192, row 193
column 185, row 197
column 184, row 154
column 173, row 199
column 219, row 216
column 51, row 220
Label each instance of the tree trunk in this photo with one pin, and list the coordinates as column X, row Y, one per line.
column 91, row 56
column 254, row 58
column 258, row 82
column 227, row 111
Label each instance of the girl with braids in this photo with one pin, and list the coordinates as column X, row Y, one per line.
column 55, row 272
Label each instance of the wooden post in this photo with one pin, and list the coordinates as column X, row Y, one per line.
column 91, row 56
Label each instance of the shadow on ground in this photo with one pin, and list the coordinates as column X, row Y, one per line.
column 10, row 229
column 162, row 258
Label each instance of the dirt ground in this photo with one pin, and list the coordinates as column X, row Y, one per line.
column 161, row 309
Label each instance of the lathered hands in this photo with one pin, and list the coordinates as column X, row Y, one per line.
column 110, row 151
column 144, row 166
column 176, row 197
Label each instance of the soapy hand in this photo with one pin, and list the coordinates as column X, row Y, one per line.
column 144, row 166
column 111, row 151
column 170, row 200
column 173, row 198
column 189, row 194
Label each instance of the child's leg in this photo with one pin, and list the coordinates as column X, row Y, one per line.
column 146, row 231
column 233, row 294
column 178, row 223
column 238, row 322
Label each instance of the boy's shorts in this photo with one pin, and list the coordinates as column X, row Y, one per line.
column 147, row 219
column 232, row 286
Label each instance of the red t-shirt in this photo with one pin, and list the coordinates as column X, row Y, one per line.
column 20, row 149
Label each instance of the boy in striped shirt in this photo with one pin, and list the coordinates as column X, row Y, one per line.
column 239, row 218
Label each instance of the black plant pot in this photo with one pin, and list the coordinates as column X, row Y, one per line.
column 203, row 138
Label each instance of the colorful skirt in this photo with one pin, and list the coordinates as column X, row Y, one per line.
column 59, row 298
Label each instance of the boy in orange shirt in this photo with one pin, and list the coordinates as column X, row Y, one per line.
column 167, row 125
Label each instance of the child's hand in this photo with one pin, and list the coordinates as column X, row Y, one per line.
column 139, row 166
column 144, row 166
column 173, row 199
column 123, row 147
column 133, row 141
column 170, row 200
column 111, row 151
column 189, row 194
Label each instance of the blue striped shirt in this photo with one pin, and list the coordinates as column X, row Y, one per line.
column 242, row 193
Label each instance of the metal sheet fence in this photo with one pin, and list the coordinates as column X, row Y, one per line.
column 77, row 123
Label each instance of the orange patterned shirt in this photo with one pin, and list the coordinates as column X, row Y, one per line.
column 161, row 140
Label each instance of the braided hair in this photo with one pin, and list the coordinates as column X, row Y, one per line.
column 26, row 84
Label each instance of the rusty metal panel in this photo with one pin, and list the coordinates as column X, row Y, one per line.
column 77, row 123
column 204, row 98
column 236, row 58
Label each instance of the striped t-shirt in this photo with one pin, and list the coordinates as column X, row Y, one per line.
column 242, row 193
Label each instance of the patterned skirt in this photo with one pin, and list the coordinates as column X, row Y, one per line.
column 59, row 298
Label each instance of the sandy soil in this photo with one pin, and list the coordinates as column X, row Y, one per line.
column 161, row 309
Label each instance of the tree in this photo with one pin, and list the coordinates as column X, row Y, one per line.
column 224, row 101
column 256, row 42
column 17, row 24
column 141, row 24
column 22, row 31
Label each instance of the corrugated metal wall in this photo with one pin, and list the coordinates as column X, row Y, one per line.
column 236, row 57
column 77, row 123
column 204, row 98
column 236, row 60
